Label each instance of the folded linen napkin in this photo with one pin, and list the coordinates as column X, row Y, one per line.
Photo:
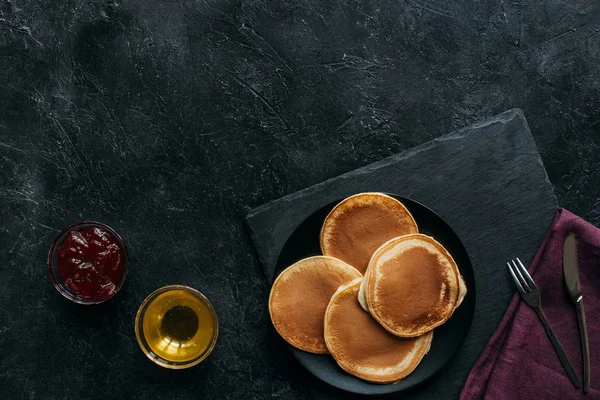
column 519, row 362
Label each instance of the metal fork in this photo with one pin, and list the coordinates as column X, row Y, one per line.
column 531, row 295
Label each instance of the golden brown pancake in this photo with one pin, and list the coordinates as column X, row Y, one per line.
column 358, row 225
column 362, row 347
column 462, row 290
column 362, row 297
column 413, row 285
column 300, row 295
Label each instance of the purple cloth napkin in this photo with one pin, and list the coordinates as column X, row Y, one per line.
column 519, row 362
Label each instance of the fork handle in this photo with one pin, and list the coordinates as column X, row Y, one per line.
column 559, row 350
column 584, row 345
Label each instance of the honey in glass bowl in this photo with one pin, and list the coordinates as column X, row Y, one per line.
column 176, row 327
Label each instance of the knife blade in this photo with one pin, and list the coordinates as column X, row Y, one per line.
column 571, row 276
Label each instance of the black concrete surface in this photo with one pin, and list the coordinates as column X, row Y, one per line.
column 170, row 120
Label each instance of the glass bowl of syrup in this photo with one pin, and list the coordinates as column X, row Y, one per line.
column 88, row 262
column 176, row 327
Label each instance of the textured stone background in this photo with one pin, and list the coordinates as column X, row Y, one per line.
column 469, row 177
column 169, row 120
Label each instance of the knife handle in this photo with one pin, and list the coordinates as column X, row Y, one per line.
column 559, row 350
column 584, row 345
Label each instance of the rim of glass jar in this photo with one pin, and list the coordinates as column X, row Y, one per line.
column 139, row 319
column 57, row 281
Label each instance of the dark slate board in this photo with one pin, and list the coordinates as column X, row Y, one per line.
column 487, row 181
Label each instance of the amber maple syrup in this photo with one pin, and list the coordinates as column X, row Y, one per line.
column 176, row 327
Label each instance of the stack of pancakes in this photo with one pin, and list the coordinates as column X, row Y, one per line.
column 374, row 297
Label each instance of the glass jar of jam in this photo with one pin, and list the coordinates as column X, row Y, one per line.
column 88, row 262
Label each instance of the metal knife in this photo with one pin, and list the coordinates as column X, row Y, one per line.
column 571, row 275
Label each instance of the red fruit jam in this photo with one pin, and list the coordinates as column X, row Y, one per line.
column 91, row 262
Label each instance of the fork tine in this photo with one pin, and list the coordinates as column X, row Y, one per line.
column 517, row 282
column 528, row 278
column 523, row 280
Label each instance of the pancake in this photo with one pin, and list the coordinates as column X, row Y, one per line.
column 362, row 347
column 462, row 292
column 299, row 298
column 358, row 225
column 362, row 293
column 362, row 297
column 413, row 285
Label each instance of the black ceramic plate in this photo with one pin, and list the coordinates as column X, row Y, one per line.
column 304, row 242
